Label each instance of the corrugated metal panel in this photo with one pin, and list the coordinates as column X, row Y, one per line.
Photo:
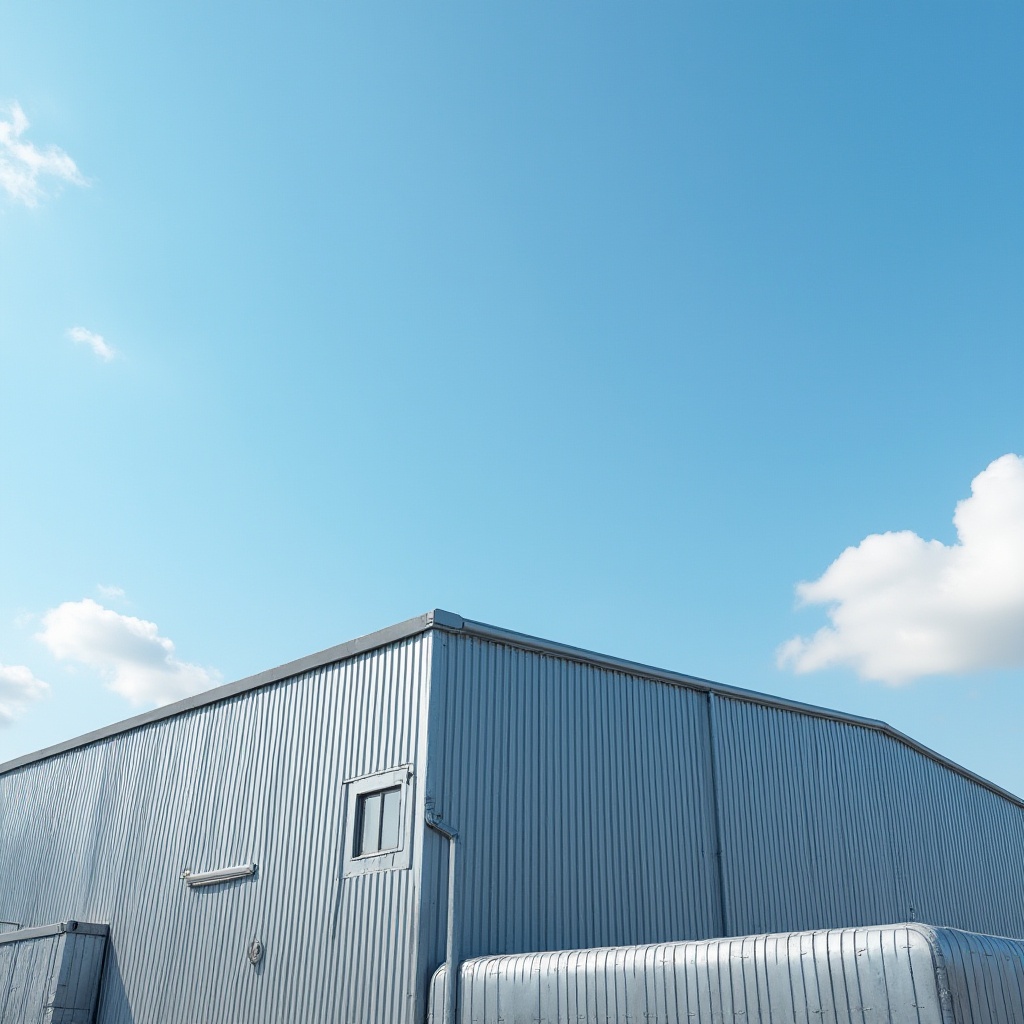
column 25, row 972
column 77, row 984
column 848, row 976
column 582, row 797
column 102, row 832
column 826, row 824
column 985, row 976
column 50, row 975
column 590, row 805
column 447, row 620
column 341, row 652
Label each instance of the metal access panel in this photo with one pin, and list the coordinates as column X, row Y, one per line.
column 51, row 975
column 891, row 974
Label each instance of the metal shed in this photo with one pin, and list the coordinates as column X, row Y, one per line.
column 314, row 841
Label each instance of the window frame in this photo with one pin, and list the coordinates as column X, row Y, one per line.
column 398, row 858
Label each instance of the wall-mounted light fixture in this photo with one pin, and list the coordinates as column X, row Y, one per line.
column 196, row 879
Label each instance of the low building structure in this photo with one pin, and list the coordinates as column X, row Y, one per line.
column 314, row 841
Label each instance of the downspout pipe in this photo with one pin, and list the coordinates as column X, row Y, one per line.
column 451, row 960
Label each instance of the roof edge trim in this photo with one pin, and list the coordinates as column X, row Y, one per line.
column 361, row 645
column 438, row 618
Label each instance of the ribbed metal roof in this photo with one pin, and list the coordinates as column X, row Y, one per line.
column 451, row 622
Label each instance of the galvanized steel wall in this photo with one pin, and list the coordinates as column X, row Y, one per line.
column 592, row 805
column 912, row 974
column 582, row 797
column 102, row 833
column 827, row 824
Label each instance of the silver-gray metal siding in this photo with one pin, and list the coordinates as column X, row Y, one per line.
column 827, row 824
column 51, row 978
column 909, row 973
column 102, row 832
column 592, row 805
column 582, row 797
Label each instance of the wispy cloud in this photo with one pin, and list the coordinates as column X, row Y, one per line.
column 18, row 688
column 81, row 336
column 129, row 653
column 24, row 166
column 902, row 607
column 111, row 593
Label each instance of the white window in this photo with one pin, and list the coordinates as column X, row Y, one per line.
column 379, row 822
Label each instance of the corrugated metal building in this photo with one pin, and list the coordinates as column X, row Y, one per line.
column 596, row 803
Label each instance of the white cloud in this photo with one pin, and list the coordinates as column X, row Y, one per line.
column 129, row 653
column 17, row 688
column 22, row 164
column 902, row 607
column 111, row 593
column 95, row 341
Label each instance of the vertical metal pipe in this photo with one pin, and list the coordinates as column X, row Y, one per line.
column 451, row 960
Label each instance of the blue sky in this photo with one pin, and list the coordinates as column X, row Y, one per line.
column 607, row 323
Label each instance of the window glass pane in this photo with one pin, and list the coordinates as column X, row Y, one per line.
column 389, row 819
column 369, row 832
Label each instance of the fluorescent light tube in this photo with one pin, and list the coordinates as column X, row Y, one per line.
column 195, row 879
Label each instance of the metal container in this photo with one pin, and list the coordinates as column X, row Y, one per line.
column 897, row 974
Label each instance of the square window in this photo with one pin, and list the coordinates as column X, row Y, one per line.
column 379, row 822
column 378, row 816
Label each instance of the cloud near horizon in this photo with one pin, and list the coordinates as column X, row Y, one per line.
column 82, row 336
column 136, row 662
column 23, row 165
column 902, row 607
column 18, row 687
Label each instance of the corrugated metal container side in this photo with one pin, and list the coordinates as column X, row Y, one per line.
column 985, row 976
column 582, row 797
column 51, row 975
column 827, row 824
column 910, row 973
column 102, row 832
column 26, row 970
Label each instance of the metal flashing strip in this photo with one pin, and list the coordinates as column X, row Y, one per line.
column 361, row 645
column 46, row 930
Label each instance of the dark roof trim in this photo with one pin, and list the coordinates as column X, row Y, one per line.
column 452, row 623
